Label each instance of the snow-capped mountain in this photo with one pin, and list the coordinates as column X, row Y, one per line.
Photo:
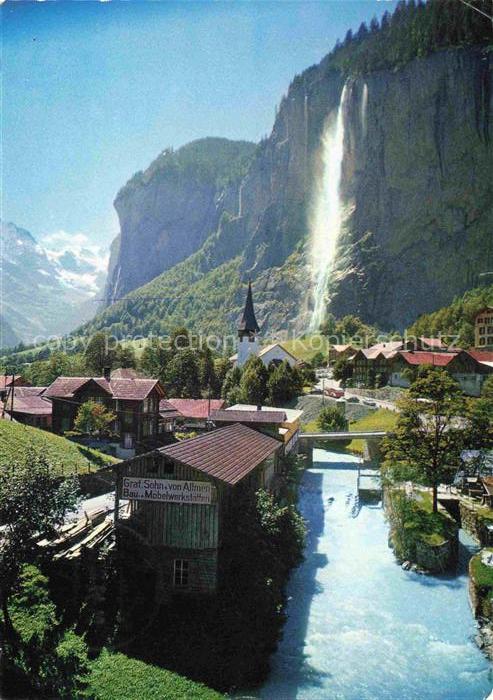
column 47, row 289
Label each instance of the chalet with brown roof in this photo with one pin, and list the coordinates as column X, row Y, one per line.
column 182, row 496
column 135, row 401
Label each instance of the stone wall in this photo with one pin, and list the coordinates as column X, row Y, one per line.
column 473, row 523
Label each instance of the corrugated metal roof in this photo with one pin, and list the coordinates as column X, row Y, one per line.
column 228, row 454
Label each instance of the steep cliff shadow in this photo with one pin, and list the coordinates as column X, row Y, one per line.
column 292, row 670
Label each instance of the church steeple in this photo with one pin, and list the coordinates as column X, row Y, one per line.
column 248, row 324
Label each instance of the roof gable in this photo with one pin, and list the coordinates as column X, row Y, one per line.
column 228, row 454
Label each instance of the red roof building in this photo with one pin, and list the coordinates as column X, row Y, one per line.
column 134, row 401
column 195, row 412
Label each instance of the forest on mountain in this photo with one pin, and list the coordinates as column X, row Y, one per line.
column 413, row 30
column 455, row 321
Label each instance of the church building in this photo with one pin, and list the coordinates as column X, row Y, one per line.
column 248, row 343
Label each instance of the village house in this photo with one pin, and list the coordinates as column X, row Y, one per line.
column 191, row 413
column 134, row 401
column 464, row 366
column 483, row 328
column 182, row 496
column 338, row 351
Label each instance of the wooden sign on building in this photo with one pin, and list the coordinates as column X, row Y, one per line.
column 181, row 495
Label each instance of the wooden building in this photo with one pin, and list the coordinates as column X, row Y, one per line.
column 483, row 328
column 134, row 401
column 181, row 496
column 285, row 423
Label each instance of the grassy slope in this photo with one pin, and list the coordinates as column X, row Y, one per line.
column 116, row 677
column 17, row 440
column 306, row 347
column 381, row 419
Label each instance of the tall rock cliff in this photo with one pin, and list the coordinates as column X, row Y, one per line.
column 167, row 212
column 417, row 201
column 418, row 188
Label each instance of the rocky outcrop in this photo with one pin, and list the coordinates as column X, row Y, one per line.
column 168, row 212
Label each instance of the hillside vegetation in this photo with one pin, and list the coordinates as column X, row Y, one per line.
column 457, row 320
column 414, row 30
column 117, row 677
column 17, row 441
column 211, row 159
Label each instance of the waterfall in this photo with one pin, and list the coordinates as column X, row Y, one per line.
column 326, row 213
column 364, row 104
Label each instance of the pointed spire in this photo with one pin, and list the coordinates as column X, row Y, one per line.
column 248, row 323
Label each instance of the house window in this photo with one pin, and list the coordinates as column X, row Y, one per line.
column 128, row 441
column 180, row 574
column 481, row 341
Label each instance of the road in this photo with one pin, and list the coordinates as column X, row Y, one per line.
column 334, row 384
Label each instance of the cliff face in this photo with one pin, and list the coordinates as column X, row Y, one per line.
column 167, row 212
column 416, row 188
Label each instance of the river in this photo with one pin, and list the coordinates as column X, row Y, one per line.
column 359, row 627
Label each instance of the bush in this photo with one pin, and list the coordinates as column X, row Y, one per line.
column 116, row 677
column 331, row 419
column 46, row 658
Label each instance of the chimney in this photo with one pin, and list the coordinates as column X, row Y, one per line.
column 107, row 373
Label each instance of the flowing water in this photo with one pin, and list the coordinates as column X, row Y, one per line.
column 359, row 627
column 326, row 213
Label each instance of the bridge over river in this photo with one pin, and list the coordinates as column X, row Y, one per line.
column 372, row 439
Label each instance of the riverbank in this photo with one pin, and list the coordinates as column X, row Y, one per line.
column 359, row 627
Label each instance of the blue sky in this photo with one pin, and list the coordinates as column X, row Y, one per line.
column 93, row 91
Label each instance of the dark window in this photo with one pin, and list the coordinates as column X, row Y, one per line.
column 180, row 574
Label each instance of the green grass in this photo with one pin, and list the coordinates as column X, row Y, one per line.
column 17, row 441
column 306, row 347
column 380, row 419
column 482, row 574
column 117, row 677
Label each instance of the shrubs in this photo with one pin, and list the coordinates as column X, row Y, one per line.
column 44, row 657
column 413, row 522
column 331, row 419
column 116, row 677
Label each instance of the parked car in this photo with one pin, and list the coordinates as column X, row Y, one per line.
column 334, row 393
column 369, row 402
column 352, row 399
